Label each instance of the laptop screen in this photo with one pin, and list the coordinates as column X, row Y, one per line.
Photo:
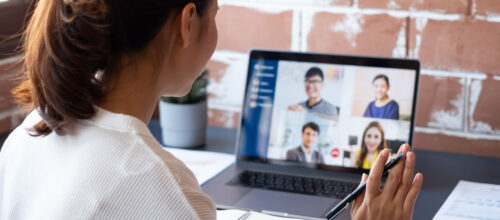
column 326, row 111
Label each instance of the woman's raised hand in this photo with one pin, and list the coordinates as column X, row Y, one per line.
column 397, row 199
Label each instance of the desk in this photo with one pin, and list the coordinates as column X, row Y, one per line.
column 441, row 170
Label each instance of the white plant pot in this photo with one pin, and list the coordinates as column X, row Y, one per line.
column 183, row 125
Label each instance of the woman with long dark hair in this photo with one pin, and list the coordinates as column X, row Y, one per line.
column 94, row 71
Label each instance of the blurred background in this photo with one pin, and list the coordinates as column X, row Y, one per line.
column 457, row 42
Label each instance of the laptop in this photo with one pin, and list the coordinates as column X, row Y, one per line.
column 310, row 125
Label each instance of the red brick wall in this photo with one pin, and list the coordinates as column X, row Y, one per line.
column 457, row 42
column 12, row 18
column 10, row 114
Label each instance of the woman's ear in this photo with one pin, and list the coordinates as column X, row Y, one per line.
column 188, row 16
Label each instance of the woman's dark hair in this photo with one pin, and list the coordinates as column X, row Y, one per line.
column 382, row 76
column 311, row 125
column 364, row 148
column 67, row 42
column 314, row 71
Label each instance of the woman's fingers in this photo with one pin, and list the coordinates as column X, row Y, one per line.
column 373, row 184
column 392, row 182
column 411, row 197
column 403, row 149
column 359, row 200
column 406, row 180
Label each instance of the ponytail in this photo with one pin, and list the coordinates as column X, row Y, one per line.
column 67, row 42
column 65, row 45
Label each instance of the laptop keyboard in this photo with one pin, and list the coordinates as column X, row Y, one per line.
column 295, row 184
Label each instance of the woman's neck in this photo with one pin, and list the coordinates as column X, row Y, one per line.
column 382, row 101
column 133, row 92
column 371, row 153
column 369, row 156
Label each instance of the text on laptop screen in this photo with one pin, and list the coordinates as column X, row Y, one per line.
column 323, row 113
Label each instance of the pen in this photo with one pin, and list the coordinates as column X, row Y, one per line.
column 352, row 196
column 245, row 216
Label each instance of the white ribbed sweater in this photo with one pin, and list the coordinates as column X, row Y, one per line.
column 108, row 167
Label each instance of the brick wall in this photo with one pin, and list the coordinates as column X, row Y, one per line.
column 457, row 42
column 10, row 114
column 12, row 17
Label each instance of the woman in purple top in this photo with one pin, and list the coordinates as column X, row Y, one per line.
column 383, row 106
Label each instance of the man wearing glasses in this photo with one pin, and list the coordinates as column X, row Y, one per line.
column 313, row 85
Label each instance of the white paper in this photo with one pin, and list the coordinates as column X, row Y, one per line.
column 237, row 214
column 204, row 164
column 471, row 200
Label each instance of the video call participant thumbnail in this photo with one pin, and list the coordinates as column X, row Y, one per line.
column 382, row 106
column 315, row 103
column 373, row 142
column 304, row 152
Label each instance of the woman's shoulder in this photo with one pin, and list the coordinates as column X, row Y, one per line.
column 389, row 104
column 392, row 104
column 141, row 158
column 31, row 119
column 371, row 105
column 21, row 132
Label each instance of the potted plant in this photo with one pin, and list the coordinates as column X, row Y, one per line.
column 183, row 120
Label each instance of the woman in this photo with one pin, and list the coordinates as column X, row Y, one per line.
column 86, row 150
column 383, row 106
column 372, row 143
column 94, row 71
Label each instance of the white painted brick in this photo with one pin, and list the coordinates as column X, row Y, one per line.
column 460, row 134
